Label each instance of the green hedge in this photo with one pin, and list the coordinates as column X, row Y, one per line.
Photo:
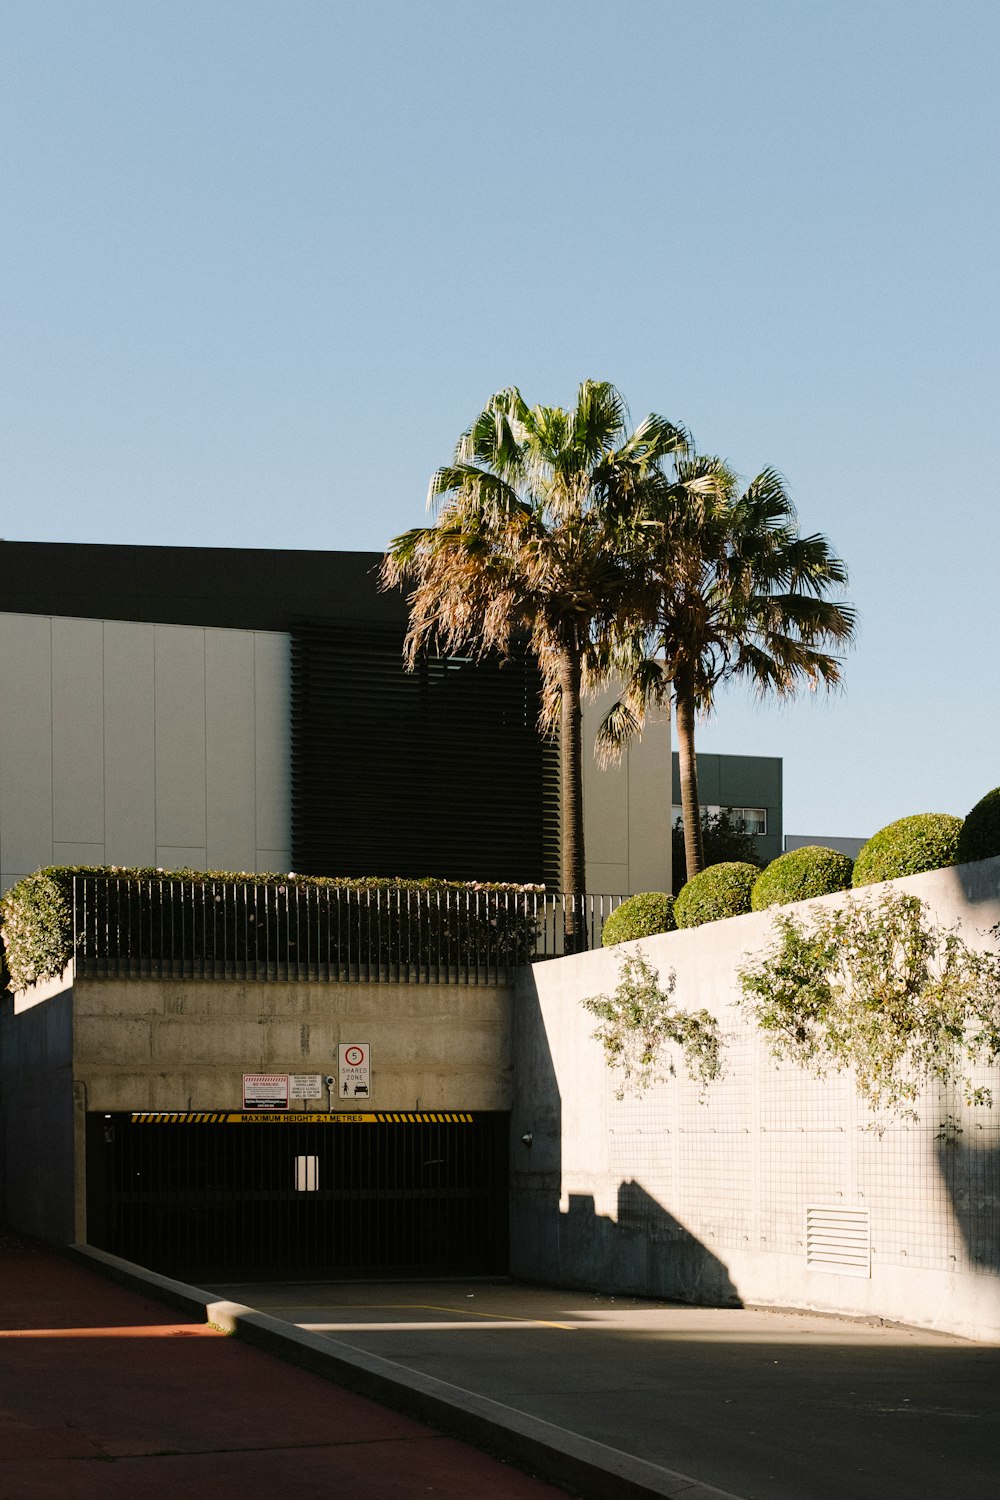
column 926, row 841
column 640, row 916
column 237, row 919
column 800, row 875
column 718, row 892
column 980, row 836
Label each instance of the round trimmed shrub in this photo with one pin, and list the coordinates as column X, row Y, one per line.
column 718, row 892
column 980, row 836
column 801, row 874
column 926, row 841
column 640, row 916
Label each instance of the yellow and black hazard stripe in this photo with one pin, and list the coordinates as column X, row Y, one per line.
column 296, row 1117
column 179, row 1117
column 442, row 1118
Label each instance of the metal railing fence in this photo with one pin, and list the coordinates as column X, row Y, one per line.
column 183, row 928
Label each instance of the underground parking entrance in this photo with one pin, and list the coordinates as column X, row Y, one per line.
column 206, row 1194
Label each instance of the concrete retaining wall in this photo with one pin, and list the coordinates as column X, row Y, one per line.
column 662, row 1195
column 37, row 1115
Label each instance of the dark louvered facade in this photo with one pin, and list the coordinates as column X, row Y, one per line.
column 439, row 771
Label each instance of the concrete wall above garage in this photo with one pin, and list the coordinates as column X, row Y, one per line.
column 150, row 1044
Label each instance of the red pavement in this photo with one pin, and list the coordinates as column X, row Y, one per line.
column 107, row 1396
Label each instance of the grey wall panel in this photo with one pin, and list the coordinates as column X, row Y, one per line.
column 25, row 742
column 177, row 857
column 129, row 744
column 78, row 854
column 627, row 808
column 610, row 880
column 180, row 736
column 649, row 807
column 78, row 732
column 605, row 796
column 133, row 744
column 272, row 710
column 274, row 861
column 230, row 755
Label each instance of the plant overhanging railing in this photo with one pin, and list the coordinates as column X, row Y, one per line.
column 153, row 924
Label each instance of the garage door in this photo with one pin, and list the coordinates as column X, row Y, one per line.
column 334, row 1195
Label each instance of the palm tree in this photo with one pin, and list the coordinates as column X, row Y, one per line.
column 523, row 548
column 730, row 590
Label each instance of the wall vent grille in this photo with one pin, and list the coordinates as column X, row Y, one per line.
column 838, row 1240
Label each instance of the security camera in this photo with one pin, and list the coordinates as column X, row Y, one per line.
column 330, row 1080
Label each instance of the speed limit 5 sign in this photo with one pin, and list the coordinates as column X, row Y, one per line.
column 354, row 1070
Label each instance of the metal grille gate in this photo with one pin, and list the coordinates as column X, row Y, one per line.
column 257, row 1196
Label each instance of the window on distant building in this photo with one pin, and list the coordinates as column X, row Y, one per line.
column 751, row 819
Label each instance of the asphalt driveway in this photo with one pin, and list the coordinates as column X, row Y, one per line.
column 767, row 1405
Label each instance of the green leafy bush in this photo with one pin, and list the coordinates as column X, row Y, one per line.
column 640, row 916
column 926, row 841
column 801, row 874
column 718, row 892
column 980, row 836
column 38, row 926
column 147, row 921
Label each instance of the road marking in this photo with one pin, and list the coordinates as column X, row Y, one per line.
column 458, row 1312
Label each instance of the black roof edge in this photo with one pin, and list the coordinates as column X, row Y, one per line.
column 244, row 588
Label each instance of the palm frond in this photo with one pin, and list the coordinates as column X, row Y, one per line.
column 596, row 423
column 622, row 723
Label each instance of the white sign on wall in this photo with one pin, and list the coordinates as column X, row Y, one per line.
column 354, row 1071
column 305, row 1085
column 265, row 1090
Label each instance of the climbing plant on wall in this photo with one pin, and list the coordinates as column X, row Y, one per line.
column 639, row 1021
column 878, row 987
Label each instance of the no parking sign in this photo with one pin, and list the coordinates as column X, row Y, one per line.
column 354, row 1059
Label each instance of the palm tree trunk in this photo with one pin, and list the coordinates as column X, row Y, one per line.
column 573, row 867
column 694, row 850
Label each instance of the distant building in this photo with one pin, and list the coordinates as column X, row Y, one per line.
column 748, row 787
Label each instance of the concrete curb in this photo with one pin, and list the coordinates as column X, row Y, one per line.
column 592, row 1470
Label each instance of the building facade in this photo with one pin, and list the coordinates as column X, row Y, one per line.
column 250, row 710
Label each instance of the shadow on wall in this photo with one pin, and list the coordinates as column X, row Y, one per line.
column 970, row 1164
column 644, row 1250
column 971, row 1174
column 979, row 883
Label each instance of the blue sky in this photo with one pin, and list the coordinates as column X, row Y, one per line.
column 262, row 262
